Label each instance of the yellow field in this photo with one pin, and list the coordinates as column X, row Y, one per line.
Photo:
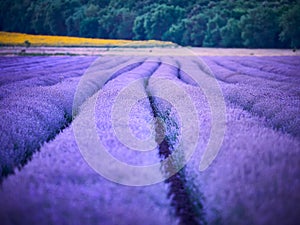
column 8, row 38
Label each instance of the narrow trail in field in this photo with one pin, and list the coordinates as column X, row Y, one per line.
column 181, row 197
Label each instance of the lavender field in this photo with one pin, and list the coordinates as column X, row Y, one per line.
column 202, row 140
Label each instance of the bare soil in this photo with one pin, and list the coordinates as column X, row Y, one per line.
column 157, row 51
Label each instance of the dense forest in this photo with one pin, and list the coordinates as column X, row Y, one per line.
column 223, row 23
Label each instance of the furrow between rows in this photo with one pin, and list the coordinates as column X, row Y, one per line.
column 185, row 200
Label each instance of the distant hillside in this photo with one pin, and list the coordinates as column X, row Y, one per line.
column 251, row 24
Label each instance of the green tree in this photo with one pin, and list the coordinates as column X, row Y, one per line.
column 87, row 18
column 260, row 28
column 38, row 23
column 213, row 33
column 91, row 10
column 55, row 19
column 176, row 33
column 118, row 23
column 190, row 31
column 15, row 15
column 73, row 23
column 196, row 29
column 290, row 25
column 139, row 27
column 126, row 20
column 231, row 34
column 160, row 19
column 89, row 27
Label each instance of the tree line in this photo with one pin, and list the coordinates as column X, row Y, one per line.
column 219, row 23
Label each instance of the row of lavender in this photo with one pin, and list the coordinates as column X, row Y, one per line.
column 36, row 100
column 59, row 184
column 254, row 179
column 265, row 86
